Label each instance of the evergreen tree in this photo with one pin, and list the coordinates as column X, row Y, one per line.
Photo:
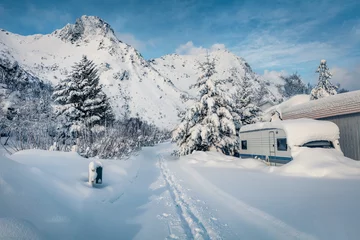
column 209, row 123
column 324, row 87
column 244, row 103
column 293, row 85
column 83, row 105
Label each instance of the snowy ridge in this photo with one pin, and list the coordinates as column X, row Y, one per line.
column 181, row 69
column 153, row 89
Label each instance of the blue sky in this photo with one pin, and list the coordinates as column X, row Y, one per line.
column 273, row 36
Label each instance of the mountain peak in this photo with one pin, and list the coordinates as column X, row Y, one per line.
column 84, row 27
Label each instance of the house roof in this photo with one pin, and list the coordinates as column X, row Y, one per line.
column 340, row 104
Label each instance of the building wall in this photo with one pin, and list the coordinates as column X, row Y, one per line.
column 349, row 126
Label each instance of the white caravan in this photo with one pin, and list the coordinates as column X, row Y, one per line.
column 275, row 142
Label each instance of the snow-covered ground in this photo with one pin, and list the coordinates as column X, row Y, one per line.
column 45, row 195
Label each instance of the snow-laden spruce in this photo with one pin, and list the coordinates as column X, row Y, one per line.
column 210, row 123
column 324, row 88
column 293, row 85
column 82, row 104
column 244, row 105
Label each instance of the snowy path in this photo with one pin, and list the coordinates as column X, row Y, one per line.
column 190, row 218
column 154, row 196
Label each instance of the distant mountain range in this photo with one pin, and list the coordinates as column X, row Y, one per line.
column 153, row 89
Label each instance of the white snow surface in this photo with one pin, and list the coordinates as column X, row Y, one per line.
column 300, row 131
column 152, row 89
column 206, row 195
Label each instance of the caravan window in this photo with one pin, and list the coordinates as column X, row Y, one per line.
column 319, row 144
column 244, row 145
column 281, row 144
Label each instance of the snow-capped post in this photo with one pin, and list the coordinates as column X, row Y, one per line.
column 95, row 172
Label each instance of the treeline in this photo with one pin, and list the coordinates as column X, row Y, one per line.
column 75, row 115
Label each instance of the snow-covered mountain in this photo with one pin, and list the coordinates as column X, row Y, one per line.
column 152, row 89
column 183, row 70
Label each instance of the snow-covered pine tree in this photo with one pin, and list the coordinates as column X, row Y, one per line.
column 209, row 123
column 324, row 87
column 83, row 105
column 244, row 103
column 293, row 85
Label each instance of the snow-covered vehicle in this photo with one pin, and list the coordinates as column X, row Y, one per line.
column 275, row 142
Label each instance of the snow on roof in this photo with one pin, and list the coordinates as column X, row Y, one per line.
column 340, row 104
column 300, row 131
column 288, row 104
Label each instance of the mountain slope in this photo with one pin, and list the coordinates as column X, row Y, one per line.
column 183, row 70
column 152, row 89
column 128, row 79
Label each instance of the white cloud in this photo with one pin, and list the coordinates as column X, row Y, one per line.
column 264, row 50
column 190, row 49
column 131, row 40
column 348, row 79
column 274, row 76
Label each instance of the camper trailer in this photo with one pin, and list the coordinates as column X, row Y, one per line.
column 275, row 142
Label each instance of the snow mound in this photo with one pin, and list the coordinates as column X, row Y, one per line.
column 321, row 163
column 11, row 228
column 308, row 162
column 217, row 159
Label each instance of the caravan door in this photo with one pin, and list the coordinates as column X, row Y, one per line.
column 271, row 143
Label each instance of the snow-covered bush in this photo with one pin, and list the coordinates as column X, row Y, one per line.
column 121, row 139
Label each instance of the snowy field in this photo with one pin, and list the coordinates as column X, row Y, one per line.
column 45, row 195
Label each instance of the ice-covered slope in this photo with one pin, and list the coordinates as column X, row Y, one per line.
column 183, row 70
column 151, row 89
column 128, row 79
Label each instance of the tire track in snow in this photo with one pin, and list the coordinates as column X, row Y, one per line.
column 255, row 215
column 192, row 224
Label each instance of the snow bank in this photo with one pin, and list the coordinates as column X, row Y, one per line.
column 320, row 163
column 300, row 131
column 216, row 159
column 307, row 162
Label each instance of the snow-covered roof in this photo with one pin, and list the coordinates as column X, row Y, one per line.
column 300, row 131
column 284, row 106
column 340, row 104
